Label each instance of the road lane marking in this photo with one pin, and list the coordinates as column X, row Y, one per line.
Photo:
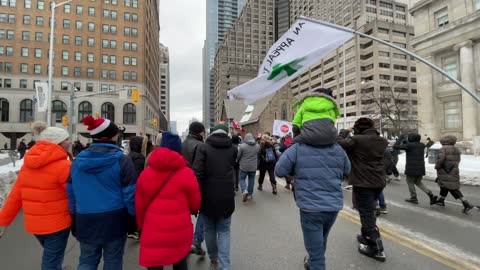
column 454, row 262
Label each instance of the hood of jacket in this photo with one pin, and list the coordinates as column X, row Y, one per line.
column 448, row 140
column 318, row 132
column 249, row 139
column 370, row 131
column 414, row 137
column 164, row 159
column 309, row 95
column 136, row 144
column 195, row 136
column 99, row 157
column 219, row 140
column 44, row 153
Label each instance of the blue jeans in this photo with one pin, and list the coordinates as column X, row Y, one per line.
column 199, row 236
column 251, row 181
column 54, row 246
column 217, row 238
column 90, row 255
column 315, row 227
column 381, row 201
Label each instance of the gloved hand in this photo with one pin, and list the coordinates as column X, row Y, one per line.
column 131, row 224
column 73, row 228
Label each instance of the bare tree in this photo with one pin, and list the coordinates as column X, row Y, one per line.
column 393, row 107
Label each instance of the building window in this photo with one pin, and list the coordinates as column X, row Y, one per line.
column 23, row 83
column 134, row 32
column 113, row 29
column 129, row 114
column 84, row 110
column 108, row 111
column 10, row 34
column 24, row 51
column 64, row 71
column 25, row 35
column 113, row 59
column 78, row 56
column 37, row 69
column 65, row 55
column 135, row 3
column 449, row 65
column 78, row 25
column 113, row 44
column 79, row 10
column 104, row 73
column 126, row 46
column 38, row 36
column 89, row 87
column 26, row 19
column 104, row 88
column 127, row 3
column 4, row 110
column 284, row 112
column 113, row 15
column 134, row 17
column 126, row 75
column 66, row 39
column 40, row 20
column 77, row 72
column 441, row 17
column 66, row 24
column 105, row 28
column 26, row 110
column 24, row 68
column 90, row 57
column 11, row 18
column 106, row 13
column 134, row 61
column 8, row 69
column 91, row 42
column 91, row 26
column 113, row 74
column 78, row 41
column 134, row 46
column 67, row 8
column 91, row 11
column 134, row 76
column 9, row 51
column 477, row 4
column 126, row 60
column 126, row 31
column 105, row 43
column 126, row 16
column 59, row 109
column 104, row 59
column 453, row 114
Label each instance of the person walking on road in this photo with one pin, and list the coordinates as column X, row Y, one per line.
column 366, row 152
column 448, row 172
column 213, row 167
column 196, row 134
column 248, row 160
column 318, row 171
column 101, row 193
column 236, row 175
column 40, row 191
column 22, row 148
column 415, row 167
column 267, row 160
column 166, row 195
column 428, row 145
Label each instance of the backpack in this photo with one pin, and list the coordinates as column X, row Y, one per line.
column 270, row 155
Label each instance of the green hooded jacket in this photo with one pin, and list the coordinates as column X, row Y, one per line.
column 315, row 106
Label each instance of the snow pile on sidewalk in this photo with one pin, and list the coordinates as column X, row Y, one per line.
column 8, row 175
column 469, row 169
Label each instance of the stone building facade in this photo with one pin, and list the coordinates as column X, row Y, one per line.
column 99, row 46
column 165, row 81
column 243, row 49
column 448, row 35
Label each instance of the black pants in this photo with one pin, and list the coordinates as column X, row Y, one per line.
column 394, row 167
column 456, row 193
column 366, row 203
column 289, row 179
column 271, row 174
column 236, row 175
column 181, row 265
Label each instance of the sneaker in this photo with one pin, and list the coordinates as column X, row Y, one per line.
column 213, row 265
column 245, row 196
column 287, row 186
column 383, row 210
column 348, row 187
column 197, row 249
column 305, row 263
column 274, row 189
column 134, row 235
column 250, row 197
column 371, row 252
column 412, row 200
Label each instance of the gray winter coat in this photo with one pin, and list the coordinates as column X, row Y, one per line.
column 248, row 154
column 448, row 173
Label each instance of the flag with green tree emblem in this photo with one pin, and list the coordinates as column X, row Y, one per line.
column 301, row 47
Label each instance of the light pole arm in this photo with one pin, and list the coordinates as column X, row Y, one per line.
column 63, row 3
column 101, row 93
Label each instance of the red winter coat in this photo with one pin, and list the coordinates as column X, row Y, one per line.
column 166, row 224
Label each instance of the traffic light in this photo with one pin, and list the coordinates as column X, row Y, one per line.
column 65, row 120
column 97, row 115
column 154, row 122
column 135, row 95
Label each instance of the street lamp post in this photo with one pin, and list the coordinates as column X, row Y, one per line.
column 50, row 60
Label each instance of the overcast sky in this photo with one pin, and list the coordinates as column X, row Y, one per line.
column 182, row 30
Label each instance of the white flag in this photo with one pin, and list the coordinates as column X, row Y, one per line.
column 42, row 96
column 302, row 46
column 282, row 128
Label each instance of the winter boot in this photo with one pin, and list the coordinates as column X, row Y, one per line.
column 440, row 201
column 466, row 206
column 371, row 252
column 245, row 196
column 260, row 187
column 305, row 263
column 361, row 239
column 433, row 198
column 413, row 200
column 274, row 189
column 197, row 249
column 213, row 265
column 287, row 186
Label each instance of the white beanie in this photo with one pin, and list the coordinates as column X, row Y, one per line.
column 50, row 134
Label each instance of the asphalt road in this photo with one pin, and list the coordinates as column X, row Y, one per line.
column 266, row 235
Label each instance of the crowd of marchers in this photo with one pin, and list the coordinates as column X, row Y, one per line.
column 149, row 193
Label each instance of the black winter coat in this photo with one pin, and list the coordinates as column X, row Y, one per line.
column 214, row 169
column 366, row 153
column 189, row 147
column 415, row 155
column 448, row 173
column 262, row 161
column 135, row 153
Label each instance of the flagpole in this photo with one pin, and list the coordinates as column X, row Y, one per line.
column 349, row 30
column 344, row 90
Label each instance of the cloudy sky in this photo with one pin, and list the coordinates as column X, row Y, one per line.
column 182, row 30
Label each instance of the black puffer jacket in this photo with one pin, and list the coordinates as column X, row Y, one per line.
column 213, row 167
column 366, row 154
column 448, row 173
column 415, row 155
column 135, row 153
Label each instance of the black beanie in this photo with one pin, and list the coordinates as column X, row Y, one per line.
column 363, row 124
column 196, row 128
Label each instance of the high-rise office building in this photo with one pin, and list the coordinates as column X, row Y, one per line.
column 165, row 81
column 221, row 15
column 244, row 48
column 282, row 17
column 99, row 46
column 370, row 67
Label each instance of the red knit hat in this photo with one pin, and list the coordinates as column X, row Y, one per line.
column 100, row 128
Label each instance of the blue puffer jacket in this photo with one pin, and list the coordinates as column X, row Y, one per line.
column 101, row 193
column 318, row 172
